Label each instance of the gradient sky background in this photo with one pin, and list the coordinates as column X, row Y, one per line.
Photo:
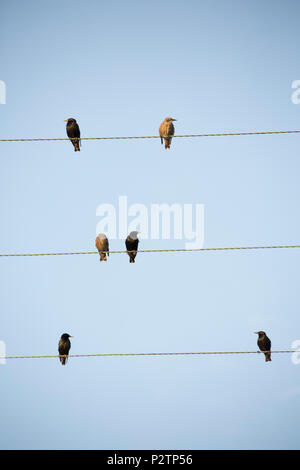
column 119, row 68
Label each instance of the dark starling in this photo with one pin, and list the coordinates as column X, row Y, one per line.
column 102, row 246
column 264, row 344
column 167, row 129
column 132, row 243
column 72, row 132
column 64, row 346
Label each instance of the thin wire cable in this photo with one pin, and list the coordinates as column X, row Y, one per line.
column 151, row 136
column 169, row 250
column 149, row 354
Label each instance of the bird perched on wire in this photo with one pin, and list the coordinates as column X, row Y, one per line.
column 64, row 346
column 131, row 244
column 102, row 246
column 264, row 344
column 167, row 129
column 73, row 132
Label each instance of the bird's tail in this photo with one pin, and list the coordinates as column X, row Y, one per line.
column 76, row 146
column 268, row 356
column 132, row 256
column 63, row 360
column 167, row 143
column 76, row 143
column 103, row 257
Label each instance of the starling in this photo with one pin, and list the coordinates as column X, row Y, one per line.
column 264, row 344
column 167, row 129
column 131, row 243
column 73, row 132
column 64, row 346
column 102, row 246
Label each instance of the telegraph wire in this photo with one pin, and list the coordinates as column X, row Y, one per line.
column 220, row 134
column 199, row 353
column 167, row 250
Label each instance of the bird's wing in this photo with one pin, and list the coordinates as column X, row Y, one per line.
column 162, row 129
column 98, row 244
column 131, row 245
column 101, row 244
column 260, row 344
column 78, row 134
column 135, row 244
column 69, row 131
column 64, row 347
column 77, row 130
column 171, row 129
column 73, row 130
column 61, row 347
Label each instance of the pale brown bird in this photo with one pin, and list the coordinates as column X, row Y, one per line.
column 264, row 344
column 102, row 246
column 167, row 129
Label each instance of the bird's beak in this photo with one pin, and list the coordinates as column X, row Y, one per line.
column 65, row 120
column 256, row 332
column 174, row 119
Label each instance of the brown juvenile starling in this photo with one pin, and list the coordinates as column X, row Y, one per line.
column 132, row 243
column 264, row 344
column 102, row 246
column 64, row 346
column 73, row 132
column 167, row 129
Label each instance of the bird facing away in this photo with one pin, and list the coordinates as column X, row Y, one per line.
column 73, row 132
column 64, row 346
column 132, row 243
column 102, row 246
column 167, row 129
column 264, row 344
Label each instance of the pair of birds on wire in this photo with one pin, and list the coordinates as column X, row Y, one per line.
column 64, row 346
column 131, row 243
column 166, row 131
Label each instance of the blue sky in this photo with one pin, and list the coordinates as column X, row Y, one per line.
column 119, row 68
